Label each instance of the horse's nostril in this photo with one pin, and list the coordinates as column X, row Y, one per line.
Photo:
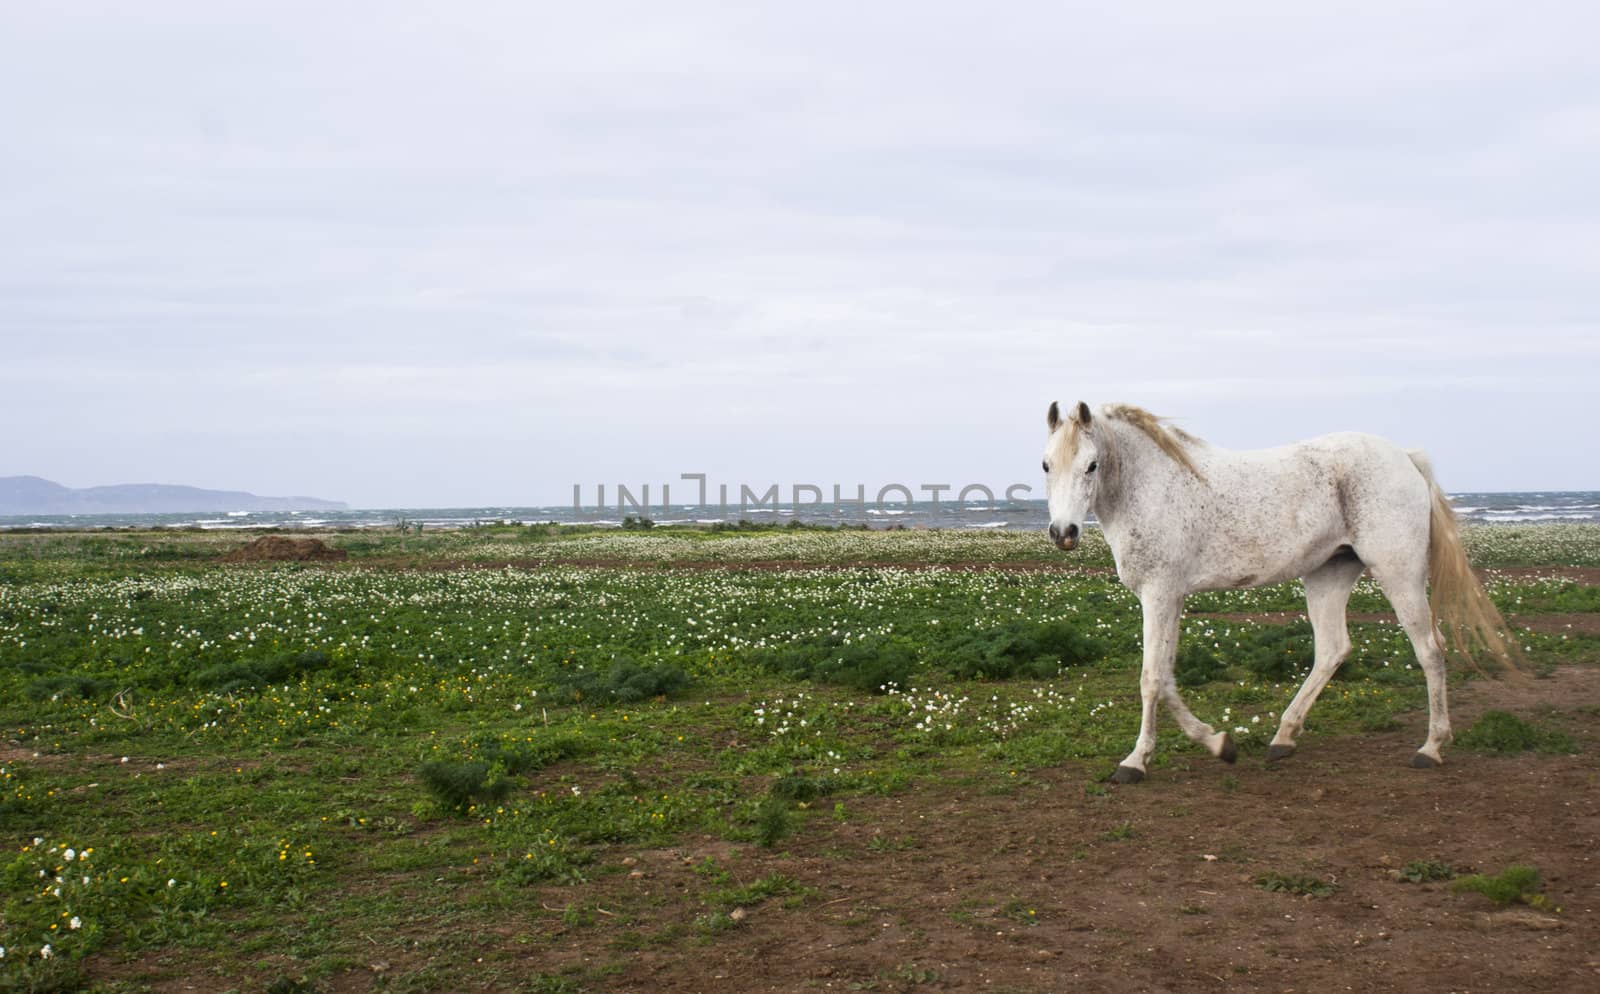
column 1055, row 534
column 1072, row 532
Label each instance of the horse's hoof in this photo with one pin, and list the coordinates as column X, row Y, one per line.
column 1277, row 752
column 1229, row 753
column 1127, row 774
column 1423, row 761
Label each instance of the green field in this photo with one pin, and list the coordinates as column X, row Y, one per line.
column 285, row 771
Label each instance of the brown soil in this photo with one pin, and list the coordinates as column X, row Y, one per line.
column 278, row 548
column 1053, row 882
column 1035, row 889
column 1560, row 624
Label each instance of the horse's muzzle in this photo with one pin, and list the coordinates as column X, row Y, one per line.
column 1066, row 539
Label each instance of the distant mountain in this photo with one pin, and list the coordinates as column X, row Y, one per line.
column 32, row 495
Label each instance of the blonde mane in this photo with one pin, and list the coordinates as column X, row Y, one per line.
column 1168, row 438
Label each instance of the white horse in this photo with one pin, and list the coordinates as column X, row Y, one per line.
column 1181, row 516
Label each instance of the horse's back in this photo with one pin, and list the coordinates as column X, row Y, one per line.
column 1283, row 512
column 1366, row 466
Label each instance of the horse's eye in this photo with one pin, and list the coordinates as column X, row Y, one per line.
column 1046, row 466
column 1093, row 466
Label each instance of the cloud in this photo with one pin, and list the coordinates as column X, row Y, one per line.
column 824, row 238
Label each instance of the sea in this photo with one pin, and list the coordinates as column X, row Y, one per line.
column 1009, row 515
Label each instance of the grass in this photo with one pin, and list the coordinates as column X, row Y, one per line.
column 225, row 750
column 759, row 891
column 1297, row 884
column 1502, row 733
column 1516, row 884
column 1423, row 871
column 43, row 554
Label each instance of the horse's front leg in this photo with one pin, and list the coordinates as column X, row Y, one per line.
column 1161, row 613
column 1157, row 682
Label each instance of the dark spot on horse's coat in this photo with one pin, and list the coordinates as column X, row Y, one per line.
column 1126, row 774
column 1277, row 752
column 1422, row 761
column 1230, row 752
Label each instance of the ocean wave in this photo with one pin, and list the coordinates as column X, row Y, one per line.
column 1508, row 516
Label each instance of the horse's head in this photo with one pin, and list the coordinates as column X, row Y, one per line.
column 1071, row 472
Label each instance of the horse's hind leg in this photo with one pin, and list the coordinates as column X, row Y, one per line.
column 1327, row 593
column 1410, row 601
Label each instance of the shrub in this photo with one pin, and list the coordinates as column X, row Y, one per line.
column 246, row 674
column 458, row 786
column 797, row 787
column 1020, row 649
column 1503, row 733
column 52, row 687
column 774, row 822
column 1197, row 664
column 1278, row 652
column 1422, row 871
column 625, row 682
column 1516, row 882
column 868, row 665
column 1295, row 884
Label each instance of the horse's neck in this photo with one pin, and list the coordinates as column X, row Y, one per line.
column 1145, row 486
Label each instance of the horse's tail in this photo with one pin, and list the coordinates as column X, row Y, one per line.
column 1464, row 619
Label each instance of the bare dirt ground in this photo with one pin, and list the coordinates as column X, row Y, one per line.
column 1058, row 883
column 1056, row 887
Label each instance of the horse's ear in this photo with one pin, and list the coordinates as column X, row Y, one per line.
column 1053, row 418
column 1081, row 415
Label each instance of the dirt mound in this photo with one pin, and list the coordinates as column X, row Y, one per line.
column 278, row 548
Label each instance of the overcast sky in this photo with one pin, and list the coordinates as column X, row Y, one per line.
column 467, row 253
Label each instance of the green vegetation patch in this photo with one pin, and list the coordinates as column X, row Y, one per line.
column 1020, row 649
column 1298, row 884
column 1503, row 733
column 1517, row 883
column 623, row 682
column 872, row 664
column 1423, row 871
column 263, row 761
